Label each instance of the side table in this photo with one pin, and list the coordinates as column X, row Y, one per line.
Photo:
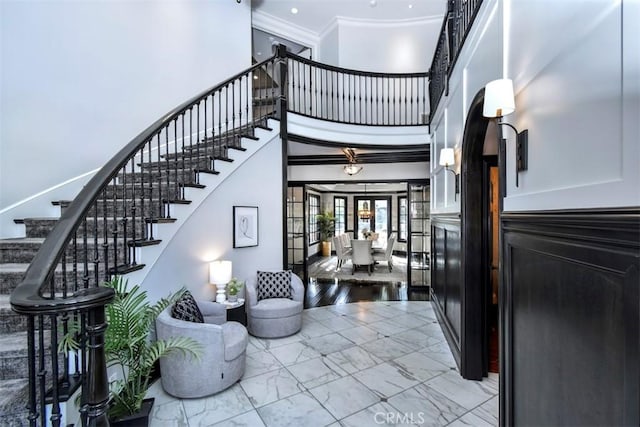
column 236, row 311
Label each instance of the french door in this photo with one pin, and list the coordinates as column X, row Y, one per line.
column 373, row 214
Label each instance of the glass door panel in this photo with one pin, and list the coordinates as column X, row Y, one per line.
column 363, row 223
column 419, row 235
column 381, row 222
column 295, row 231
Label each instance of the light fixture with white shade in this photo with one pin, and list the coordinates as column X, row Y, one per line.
column 220, row 274
column 352, row 169
column 498, row 102
column 498, row 98
column 448, row 160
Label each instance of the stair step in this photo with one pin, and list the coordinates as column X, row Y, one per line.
column 143, row 179
column 40, row 227
column 14, row 355
column 125, row 269
column 160, row 220
column 14, row 395
column 199, row 157
column 209, row 171
column 199, row 150
column 19, row 250
column 37, row 227
column 144, row 242
column 265, row 101
column 23, row 250
column 11, row 275
column 173, row 165
column 110, row 207
column 10, row 321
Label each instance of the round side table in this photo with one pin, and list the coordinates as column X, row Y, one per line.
column 236, row 311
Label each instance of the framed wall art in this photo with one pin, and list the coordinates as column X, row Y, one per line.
column 245, row 226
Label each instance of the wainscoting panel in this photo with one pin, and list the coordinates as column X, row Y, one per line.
column 446, row 277
column 570, row 318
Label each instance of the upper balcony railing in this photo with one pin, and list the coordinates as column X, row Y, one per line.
column 455, row 28
column 357, row 97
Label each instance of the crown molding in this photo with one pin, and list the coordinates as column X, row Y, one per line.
column 285, row 29
column 387, row 23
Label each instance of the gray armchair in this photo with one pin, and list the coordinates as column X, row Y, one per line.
column 274, row 317
column 222, row 361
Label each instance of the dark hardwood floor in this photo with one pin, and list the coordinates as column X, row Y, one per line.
column 331, row 292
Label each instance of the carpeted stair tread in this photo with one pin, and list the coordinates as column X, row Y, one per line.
column 14, row 267
column 14, row 394
column 25, row 240
column 13, row 343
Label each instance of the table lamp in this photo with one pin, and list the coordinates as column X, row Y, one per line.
column 220, row 275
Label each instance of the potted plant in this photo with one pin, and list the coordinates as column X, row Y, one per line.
column 130, row 349
column 326, row 225
column 233, row 287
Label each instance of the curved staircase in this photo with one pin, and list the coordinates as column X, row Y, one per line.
column 131, row 208
column 17, row 253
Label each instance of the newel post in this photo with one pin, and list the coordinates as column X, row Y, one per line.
column 283, row 66
column 97, row 380
column 282, row 114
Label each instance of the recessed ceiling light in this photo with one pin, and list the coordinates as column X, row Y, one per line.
column 259, row 53
column 373, row 3
column 410, row 6
column 294, row 10
column 255, row 77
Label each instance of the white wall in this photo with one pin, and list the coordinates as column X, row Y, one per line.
column 81, row 79
column 329, row 47
column 394, row 46
column 577, row 92
column 207, row 235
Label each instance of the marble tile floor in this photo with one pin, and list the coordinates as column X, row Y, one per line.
column 358, row 364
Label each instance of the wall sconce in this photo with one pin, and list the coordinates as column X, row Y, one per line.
column 220, row 275
column 498, row 102
column 448, row 159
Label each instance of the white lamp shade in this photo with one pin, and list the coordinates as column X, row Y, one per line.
column 498, row 98
column 447, row 157
column 352, row 169
column 220, row 272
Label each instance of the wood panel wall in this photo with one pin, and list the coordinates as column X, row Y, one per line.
column 446, row 278
column 570, row 318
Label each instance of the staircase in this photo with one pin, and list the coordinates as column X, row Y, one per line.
column 120, row 213
column 16, row 254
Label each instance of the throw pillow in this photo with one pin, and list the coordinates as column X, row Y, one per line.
column 274, row 284
column 187, row 309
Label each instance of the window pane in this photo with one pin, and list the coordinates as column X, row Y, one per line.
column 340, row 213
column 402, row 218
column 314, row 211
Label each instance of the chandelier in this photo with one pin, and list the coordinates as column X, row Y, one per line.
column 352, row 168
column 365, row 212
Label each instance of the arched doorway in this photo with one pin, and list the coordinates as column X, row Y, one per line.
column 480, row 207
